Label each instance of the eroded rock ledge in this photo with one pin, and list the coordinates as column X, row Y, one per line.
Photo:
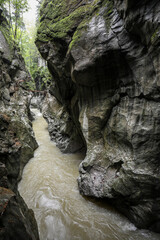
column 104, row 57
column 17, row 142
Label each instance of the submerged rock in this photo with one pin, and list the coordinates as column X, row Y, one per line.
column 104, row 57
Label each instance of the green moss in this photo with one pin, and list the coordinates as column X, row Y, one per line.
column 61, row 18
column 94, row 11
column 67, row 24
column 62, row 27
column 53, row 10
column 155, row 36
column 107, row 15
column 78, row 33
column 75, row 39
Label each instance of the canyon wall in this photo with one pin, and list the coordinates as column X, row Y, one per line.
column 17, row 141
column 104, row 57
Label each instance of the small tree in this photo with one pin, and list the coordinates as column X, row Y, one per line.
column 19, row 7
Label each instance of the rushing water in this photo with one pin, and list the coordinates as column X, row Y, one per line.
column 49, row 187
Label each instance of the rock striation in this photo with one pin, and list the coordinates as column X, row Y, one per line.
column 17, row 141
column 104, row 57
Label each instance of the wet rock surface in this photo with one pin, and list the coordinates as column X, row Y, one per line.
column 61, row 126
column 17, row 144
column 105, row 63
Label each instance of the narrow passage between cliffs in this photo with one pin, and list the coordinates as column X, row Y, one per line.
column 49, row 187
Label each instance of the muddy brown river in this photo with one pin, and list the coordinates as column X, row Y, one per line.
column 49, row 187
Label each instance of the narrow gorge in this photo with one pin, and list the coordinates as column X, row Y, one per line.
column 102, row 102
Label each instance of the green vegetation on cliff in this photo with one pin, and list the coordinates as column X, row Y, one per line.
column 23, row 40
column 13, row 11
column 67, row 19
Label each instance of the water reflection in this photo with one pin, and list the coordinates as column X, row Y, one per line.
column 49, row 187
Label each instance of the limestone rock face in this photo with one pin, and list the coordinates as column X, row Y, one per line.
column 17, row 144
column 104, row 57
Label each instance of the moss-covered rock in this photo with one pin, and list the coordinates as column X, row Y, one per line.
column 59, row 19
